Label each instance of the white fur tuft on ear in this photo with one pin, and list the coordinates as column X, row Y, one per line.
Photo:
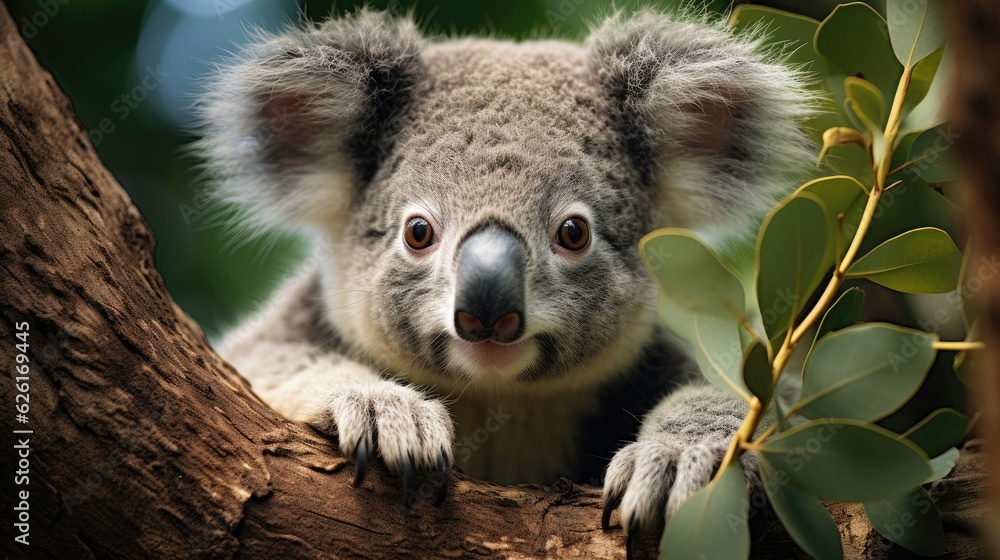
column 306, row 104
column 719, row 114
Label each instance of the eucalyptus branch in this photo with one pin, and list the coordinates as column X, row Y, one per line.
column 753, row 418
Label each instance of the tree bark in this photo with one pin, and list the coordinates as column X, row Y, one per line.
column 145, row 444
column 975, row 39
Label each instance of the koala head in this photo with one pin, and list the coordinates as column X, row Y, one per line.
column 483, row 199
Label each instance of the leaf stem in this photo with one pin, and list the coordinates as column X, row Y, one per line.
column 770, row 430
column 892, row 186
column 961, row 346
column 881, row 171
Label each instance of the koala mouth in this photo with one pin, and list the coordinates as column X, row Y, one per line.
column 496, row 358
column 489, row 305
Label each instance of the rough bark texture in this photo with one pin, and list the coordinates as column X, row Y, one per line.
column 146, row 444
column 975, row 32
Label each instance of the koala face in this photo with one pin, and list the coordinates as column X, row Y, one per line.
column 496, row 243
column 485, row 199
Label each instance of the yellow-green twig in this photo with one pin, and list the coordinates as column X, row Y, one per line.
column 743, row 436
column 958, row 346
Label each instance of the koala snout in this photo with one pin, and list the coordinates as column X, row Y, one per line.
column 489, row 288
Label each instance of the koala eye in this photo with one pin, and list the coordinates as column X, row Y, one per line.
column 574, row 234
column 418, row 235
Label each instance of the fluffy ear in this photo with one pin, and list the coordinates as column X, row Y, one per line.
column 298, row 122
column 712, row 118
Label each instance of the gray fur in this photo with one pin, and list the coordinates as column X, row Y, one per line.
column 677, row 451
column 719, row 114
column 653, row 122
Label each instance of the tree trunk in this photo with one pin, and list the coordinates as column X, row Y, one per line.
column 145, row 444
column 975, row 32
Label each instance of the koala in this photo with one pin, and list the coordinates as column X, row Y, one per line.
column 480, row 301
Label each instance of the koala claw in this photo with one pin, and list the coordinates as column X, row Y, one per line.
column 409, row 483
column 360, row 462
column 410, row 433
column 612, row 500
column 442, row 476
column 632, row 543
column 438, row 474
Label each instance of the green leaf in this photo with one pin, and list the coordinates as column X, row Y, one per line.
column 846, row 460
column 942, row 429
column 916, row 28
column 852, row 39
column 843, row 313
column 865, row 372
column 922, row 261
column 757, row 373
column 795, row 31
column 930, row 111
column 932, row 155
column 867, row 102
column 841, row 195
column 942, row 465
column 715, row 342
column 911, row 521
column 791, row 251
column 910, row 205
column 805, row 519
column 704, row 313
column 921, row 80
column 900, row 155
column 712, row 523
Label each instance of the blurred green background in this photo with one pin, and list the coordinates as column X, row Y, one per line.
column 132, row 69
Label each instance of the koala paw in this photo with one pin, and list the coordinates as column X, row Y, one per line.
column 411, row 434
column 649, row 479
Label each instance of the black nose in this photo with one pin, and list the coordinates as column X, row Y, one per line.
column 489, row 296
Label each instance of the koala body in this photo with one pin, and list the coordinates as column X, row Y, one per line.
column 482, row 299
